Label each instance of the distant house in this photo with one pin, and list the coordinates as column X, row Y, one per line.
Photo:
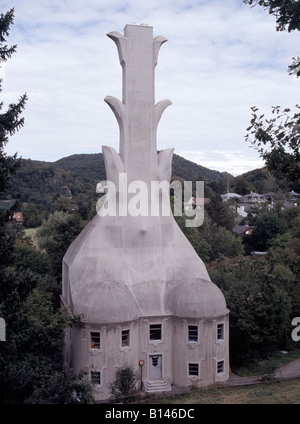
column 243, row 230
column 270, row 196
column 195, row 203
column 7, row 204
column 294, row 196
column 18, row 217
column 253, row 197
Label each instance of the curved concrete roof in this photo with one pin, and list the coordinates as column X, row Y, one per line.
column 195, row 299
column 113, row 274
column 105, row 302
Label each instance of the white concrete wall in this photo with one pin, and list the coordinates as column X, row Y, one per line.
column 176, row 350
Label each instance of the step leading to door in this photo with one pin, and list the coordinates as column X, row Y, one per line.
column 161, row 385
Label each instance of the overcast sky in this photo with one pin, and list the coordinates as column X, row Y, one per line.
column 221, row 58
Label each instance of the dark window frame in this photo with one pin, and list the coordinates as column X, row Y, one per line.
column 193, row 369
column 125, row 338
column 193, row 333
column 96, row 377
column 155, row 332
column 95, row 340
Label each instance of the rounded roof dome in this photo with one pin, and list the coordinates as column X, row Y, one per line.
column 105, row 302
column 196, row 299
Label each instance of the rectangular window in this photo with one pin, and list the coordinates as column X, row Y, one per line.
column 155, row 332
column 220, row 332
column 95, row 340
column 193, row 333
column 220, row 366
column 125, row 338
column 95, row 377
column 194, row 369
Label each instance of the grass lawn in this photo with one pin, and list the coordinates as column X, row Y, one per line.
column 276, row 392
column 271, row 392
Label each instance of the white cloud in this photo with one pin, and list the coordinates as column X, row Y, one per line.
column 222, row 57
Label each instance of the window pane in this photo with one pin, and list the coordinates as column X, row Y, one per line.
column 125, row 338
column 95, row 340
column 220, row 366
column 95, row 377
column 193, row 333
column 220, row 331
column 155, row 332
column 193, row 369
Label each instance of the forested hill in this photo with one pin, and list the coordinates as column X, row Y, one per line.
column 191, row 171
column 73, row 180
column 92, row 166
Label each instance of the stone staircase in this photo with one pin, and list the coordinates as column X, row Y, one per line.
column 161, row 385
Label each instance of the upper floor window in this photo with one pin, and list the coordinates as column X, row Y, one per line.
column 95, row 340
column 193, row 333
column 125, row 338
column 220, row 331
column 155, row 332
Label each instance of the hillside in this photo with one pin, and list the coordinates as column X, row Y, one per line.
column 75, row 177
column 263, row 181
column 92, row 166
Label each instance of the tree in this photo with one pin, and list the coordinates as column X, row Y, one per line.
column 287, row 12
column 267, row 227
column 56, row 235
column 31, row 368
column 277, row 140
column 124, row 385
column 10, row 121
column 259, row 294
column 220, row 212
column 281, row 134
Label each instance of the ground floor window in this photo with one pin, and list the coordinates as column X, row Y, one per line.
column 96, row 377
column 193, row 369
column 220, row 367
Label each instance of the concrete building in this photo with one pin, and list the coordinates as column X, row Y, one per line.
column 143, row 292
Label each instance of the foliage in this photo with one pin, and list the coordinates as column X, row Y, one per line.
column 124, row 385
column 287, row 12
column 62, row 388
column 261, row 297
column 277, row 140
column 211, row 241
column 280, row 134
column 220, row 212
column 10, row 121
column 56, row 235
column 31, row 357
column 267, row 227
column 190, row 171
